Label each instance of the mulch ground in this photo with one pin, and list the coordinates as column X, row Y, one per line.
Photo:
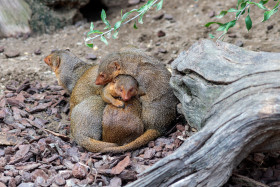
column 35, row 149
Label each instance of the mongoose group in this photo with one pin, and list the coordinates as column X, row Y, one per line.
column 135, row 106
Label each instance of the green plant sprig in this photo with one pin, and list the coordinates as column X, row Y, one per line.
column 109, row 29
column 241, row 7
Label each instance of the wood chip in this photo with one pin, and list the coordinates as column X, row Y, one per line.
column 121, row 166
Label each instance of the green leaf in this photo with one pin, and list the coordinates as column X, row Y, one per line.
column 277, row 4
column 268, row 14
column 222, row 27
column 211, row 36
column 226, row 26
column 91, row 26
column 232, row 10
column 159, row 5
column 263, row 2
column 117, row 25
column 135, row 26
column 240, row 2
column 94, row 32
column 248, row 22
column 222, row 14
column 145, row 7
column 210, row 23
column 103, row 16
column 90, row 45
column 243, row 5
column 140, row 19
column 125, row 15
column 115, row 35
column 103, row 39
column 261, row 6
column 229, row 25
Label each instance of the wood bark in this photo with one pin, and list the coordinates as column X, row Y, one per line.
column 234, row 94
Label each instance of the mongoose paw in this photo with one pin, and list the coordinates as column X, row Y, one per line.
column 119, row 104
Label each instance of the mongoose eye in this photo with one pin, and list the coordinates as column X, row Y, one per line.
column 102, row 76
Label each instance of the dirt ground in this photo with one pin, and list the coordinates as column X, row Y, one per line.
column 182, row 22
column 184, row 29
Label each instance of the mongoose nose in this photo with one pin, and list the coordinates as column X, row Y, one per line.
column 47, row 61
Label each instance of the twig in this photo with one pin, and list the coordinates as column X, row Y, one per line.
column 58, row 135
column 248, row 180
column 88, row 39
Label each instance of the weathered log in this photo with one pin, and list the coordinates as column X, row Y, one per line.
column 234, row 94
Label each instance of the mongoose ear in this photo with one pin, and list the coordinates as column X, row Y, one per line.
column 57, row 62
column 117, row 65
column 67, row 49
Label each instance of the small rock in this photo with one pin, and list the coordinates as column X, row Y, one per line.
column 27, row 166
column 26, row 177
column 259, row 157
column 269, row 27
column 9, row 120
column 161, row 50
column 149, row 153
column 239, row 43
column 161, row 33
column 79, row 171
column 29, row 184
column 128, row 175
column 59, row 180
column 91, row 56
column 212, row 14
column 39, row 173
column 11, row 54
column 180, row 127
column 114, row 182
column 38, row 52
column 232, row 35
column 268, row 173
column 170, row 147
column 158, row 17
column 168, row 17
column 1, row 49
column 66, row 174
column 72, row 182
column 121, row 166
column 133, row 2
column 2, row 184
column 12, row 182
column 151, row 144
column 158, row 155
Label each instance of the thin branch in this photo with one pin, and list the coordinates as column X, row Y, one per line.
column 88, row 39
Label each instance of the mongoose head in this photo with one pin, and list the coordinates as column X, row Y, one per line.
column 107, row 72
column 125, row 86
column 53, row 60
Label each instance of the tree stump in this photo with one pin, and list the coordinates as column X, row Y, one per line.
column 234, row 94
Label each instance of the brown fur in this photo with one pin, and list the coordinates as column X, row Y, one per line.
column 86, row 105
column 122, row 125
column 158, row 101
column 67, row 67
